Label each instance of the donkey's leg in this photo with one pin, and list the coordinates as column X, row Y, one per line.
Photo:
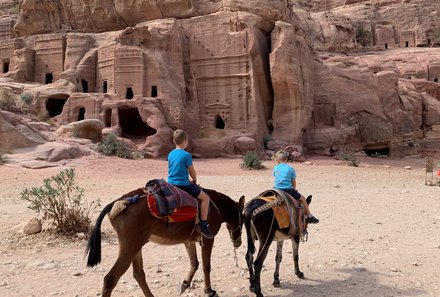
column 249, row 262
column 206, row 260
column 139, row 274
column 262, row 254
column 278, row 258
column 194, row 262
column 295, row 248
column 121, row 265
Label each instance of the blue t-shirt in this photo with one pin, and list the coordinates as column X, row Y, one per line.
column 284, row 174
column 178, row 162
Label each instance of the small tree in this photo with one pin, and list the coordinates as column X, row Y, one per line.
column 251, row 160
column 435, row 37
column 112, row 146
column 363, row 35
column 60, row 201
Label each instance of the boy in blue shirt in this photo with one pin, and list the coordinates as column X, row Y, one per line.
column 285, row 180
column 179, row 166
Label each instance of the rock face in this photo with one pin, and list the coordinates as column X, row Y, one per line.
column 237, row 75
column 16, row 133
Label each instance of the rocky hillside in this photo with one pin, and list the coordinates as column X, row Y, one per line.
column 238, row 75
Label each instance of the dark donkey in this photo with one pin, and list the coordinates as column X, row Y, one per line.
column 135, row 226
column 264, row 226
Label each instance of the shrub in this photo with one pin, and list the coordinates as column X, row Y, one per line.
column 26, row 98
column 60, row 200
column 251, row 160
column 363, row 35
column 348, row 156
column 112, row 146
column 7, row 101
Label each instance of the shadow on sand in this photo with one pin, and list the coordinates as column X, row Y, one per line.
column 358, row 283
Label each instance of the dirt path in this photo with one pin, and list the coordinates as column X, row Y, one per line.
column 379, row 233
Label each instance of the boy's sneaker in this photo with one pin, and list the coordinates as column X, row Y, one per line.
column 312, row 220
column 204, row 230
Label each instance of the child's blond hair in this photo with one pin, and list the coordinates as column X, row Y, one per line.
column 179, row 136
column 280, row 156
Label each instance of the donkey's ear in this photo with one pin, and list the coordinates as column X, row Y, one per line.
column 309, row 199
column 241, row 202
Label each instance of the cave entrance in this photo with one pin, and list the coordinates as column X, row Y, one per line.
column 129, row 93
column 49, row 78
column 219, row 122
column 85, row 86
column 81, row 113
column 5, row 66
column 132, row 125
column 104, row 86
column 54, row 105
column 374, row 152
column 154, row 91
column 108, row 117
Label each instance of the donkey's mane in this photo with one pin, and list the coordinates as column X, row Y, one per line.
column 217, row 196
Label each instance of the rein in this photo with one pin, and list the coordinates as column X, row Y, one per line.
column 239, row 227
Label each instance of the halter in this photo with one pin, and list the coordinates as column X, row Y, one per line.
column 239, row 227
column 235, row 241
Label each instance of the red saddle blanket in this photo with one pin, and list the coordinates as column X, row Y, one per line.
column 170, row 203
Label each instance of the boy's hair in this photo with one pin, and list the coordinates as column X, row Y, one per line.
column 179, row 136
column 280, row 156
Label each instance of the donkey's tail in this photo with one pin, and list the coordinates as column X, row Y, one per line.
column 94, row 243
column 247, row 222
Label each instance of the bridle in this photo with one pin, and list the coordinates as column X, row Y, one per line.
column 239, row 227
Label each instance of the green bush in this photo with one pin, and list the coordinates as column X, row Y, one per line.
column 112, row 146
column 349, row 156
column 363, row 35
column 26, row 98
column 251, row 160
column 60, row 201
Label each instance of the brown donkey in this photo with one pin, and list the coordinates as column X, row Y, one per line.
column 135, row 226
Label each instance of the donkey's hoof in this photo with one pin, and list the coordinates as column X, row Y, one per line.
column 276, row 283
column 300, row 275
column 182, row 287
column 211, row 293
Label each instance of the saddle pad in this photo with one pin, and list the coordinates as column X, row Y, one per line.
column 179, row 214
column 170, row 203
column 281, row 213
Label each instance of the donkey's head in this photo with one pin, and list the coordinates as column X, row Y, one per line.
column 235, row 225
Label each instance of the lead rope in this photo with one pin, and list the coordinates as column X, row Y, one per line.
column 235, row 257
column 267, row 238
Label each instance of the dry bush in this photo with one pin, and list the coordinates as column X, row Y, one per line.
column 7, row 101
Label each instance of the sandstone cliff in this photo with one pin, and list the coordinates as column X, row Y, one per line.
column 238, row 75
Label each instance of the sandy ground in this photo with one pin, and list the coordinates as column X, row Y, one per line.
column 378, row 236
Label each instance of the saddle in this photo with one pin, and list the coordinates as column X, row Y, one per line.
column 170, row 203
column 284, row 206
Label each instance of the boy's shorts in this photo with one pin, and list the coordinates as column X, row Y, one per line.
column 193, row 189
column 292, row 192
